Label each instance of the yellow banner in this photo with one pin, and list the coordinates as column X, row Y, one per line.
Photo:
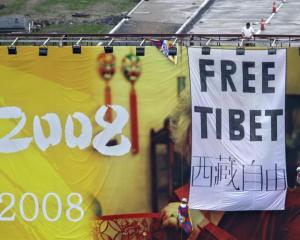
column 52, row 187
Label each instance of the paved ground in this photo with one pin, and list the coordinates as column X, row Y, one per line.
column 134, row 26
column 223, row 16
column 287, row 21
column 160, row 16
column 229, row 16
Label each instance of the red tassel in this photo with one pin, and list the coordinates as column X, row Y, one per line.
column 134, row 121
column 107, row 100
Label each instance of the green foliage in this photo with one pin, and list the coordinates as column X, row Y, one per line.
column 114, row 6
column 13, row 6
column 68, row 4
column 18, row 6
column 76, row 28
column 63, row 9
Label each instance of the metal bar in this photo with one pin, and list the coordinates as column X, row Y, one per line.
column 14, row 42
column 174, row 42
column 79, row 41
column 208, row 42
column 142, row 43
column 45, row 43
column 241, row 43
column 36, row 35
column 135, row 39
column 110, row 42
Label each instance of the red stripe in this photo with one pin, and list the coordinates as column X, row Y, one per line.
column 130, row 215
column 134, row 121
column 107, row 100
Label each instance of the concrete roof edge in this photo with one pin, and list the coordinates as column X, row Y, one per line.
column 202, row 8
column 124, row 19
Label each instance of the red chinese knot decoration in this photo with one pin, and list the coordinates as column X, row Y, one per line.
column 106, row 70
column 131, row 69
column 106, row 65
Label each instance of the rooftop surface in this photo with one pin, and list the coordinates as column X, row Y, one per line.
column 227, row 16
column 160, row 16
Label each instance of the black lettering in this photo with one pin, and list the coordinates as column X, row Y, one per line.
column 226, row 74
column 248, row 77
column 274, row 114
column 219, row 123
column 266, row 77
column 203, row 118
column 254, row 125
column 205, row 73
column 235, row 124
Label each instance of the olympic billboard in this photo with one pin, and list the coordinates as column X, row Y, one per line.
column 84, row 136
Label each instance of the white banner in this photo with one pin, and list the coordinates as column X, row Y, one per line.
column 238, row 130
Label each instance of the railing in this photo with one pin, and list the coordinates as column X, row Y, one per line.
column 136, row 39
